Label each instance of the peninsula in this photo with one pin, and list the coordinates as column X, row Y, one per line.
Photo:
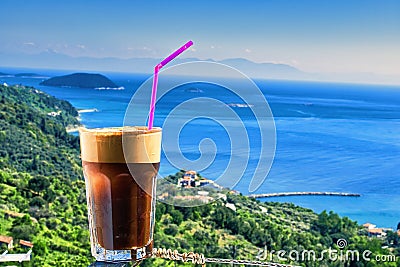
column 80, row 80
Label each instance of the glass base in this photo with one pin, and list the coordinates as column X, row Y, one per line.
column 136, row 254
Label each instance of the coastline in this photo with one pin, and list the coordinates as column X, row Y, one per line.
column 72, row 128
column 75, row 128
column 357, row 137
column 87, row 110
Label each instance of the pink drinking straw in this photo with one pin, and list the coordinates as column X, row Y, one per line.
column 155, row 79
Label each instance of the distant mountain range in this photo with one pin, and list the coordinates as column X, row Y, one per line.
column 53, row 60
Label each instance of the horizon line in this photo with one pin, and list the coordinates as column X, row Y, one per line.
column 310, row 80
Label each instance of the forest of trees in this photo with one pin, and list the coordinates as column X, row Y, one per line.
column 41, row 180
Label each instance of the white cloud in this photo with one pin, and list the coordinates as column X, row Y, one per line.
column 247, row 50
column 30, row 43
column 212, row 47
column 81, row 46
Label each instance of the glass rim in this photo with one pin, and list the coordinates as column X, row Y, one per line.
column 130, row 130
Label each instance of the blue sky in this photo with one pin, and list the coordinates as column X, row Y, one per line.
column 315, row 36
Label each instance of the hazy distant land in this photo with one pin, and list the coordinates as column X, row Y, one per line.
column 267, row 70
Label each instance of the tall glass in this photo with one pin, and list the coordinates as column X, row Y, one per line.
column 120, row 166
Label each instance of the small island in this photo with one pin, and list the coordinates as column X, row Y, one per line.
column 81, row 80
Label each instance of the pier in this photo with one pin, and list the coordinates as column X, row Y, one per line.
column 285, row 194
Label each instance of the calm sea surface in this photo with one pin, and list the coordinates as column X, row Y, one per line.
column 330, row 137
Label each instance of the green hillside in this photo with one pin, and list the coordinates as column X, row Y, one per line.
column 40, row 177
column 42, row 199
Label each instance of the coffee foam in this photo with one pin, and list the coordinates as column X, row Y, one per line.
column 120, row 145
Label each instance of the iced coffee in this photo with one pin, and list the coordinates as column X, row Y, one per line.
column 120, row 167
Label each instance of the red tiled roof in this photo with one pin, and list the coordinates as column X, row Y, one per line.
column 6, row 239
column 26, row 243
column 375, row 231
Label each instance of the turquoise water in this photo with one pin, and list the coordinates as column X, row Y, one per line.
column 330, row 137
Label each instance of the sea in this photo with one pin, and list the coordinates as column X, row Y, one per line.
column 330, row 137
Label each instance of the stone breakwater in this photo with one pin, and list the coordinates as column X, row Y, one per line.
column 285, row 194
